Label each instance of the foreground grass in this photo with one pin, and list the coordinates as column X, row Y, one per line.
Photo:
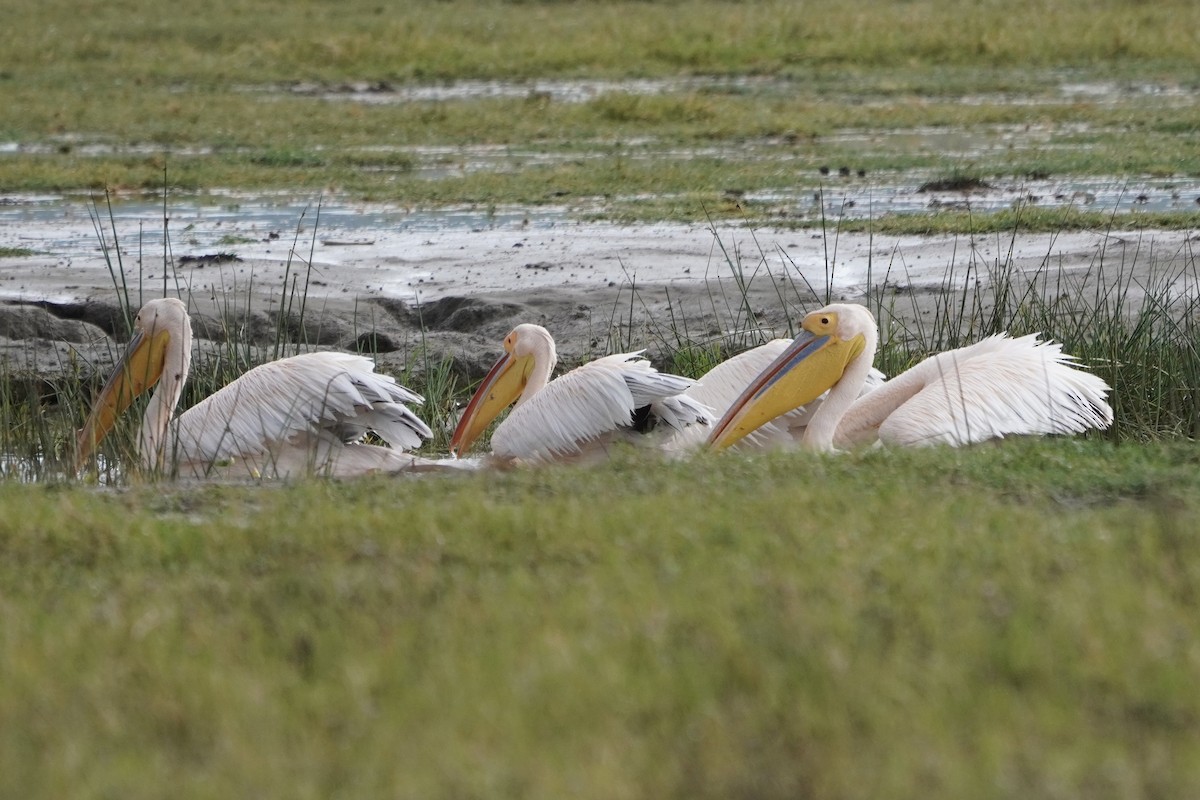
column 1010, row 621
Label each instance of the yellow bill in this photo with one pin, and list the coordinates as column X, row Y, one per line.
column 500, row 388
column 138, row 370
column 811, row 365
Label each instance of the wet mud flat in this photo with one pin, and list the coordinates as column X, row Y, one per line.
column 416, row 289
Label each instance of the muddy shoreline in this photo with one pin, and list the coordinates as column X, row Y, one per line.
column 453, row 291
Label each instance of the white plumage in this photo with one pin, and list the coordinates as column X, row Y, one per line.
column 304, row 414
column 998, row 387
column 618, row 397
column 300, row 415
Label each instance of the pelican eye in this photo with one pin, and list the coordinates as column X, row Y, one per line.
column 824, row 320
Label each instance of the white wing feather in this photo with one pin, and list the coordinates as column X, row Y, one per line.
column 997, row 387
column 590, row 402
column 665, row 394
column 331, row 398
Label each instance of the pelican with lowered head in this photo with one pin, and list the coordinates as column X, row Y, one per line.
column 578, row 415
column 306, row 414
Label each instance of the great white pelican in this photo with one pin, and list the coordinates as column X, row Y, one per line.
column 998, row 387
column 298, row 415
column 576, row 415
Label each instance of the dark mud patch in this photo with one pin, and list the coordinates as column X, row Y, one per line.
column 454, row 313
column 955, row 183
column 106, row 317
column 18, row 321
column 376, row 342
column 234, row 326
column 208, row 259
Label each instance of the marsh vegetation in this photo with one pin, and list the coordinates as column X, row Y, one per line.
column 691, row 103
column 1018, row 620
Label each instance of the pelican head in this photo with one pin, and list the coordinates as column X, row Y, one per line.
column 829, row 341
column 529, row 358
column 162, row 334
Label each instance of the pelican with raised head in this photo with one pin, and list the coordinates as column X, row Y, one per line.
column 300, row 415
column 998, row 387
column 576, row 415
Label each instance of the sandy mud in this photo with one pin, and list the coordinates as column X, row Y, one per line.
column 396, row 283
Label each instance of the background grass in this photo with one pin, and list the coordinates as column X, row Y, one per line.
column 137, row 40
column 1012, row 621
column 105, row 96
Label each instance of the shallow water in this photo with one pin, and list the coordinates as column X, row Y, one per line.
column 560, row 91
column 266, row 229
column 860, row 199
column 580, row 90
column 63, row 224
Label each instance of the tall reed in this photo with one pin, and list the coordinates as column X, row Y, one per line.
column 1131, row 316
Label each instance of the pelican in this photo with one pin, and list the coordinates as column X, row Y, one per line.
column 721, row 386
column 998, row 387
column 576, row 415
column 298, row 415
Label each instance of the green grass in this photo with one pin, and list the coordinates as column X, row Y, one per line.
column 583, row 155
column 1028, row 219
column 360, row 40
column 1011, row 621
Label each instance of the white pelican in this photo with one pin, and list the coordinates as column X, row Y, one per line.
column 577, row 414
column 298, row 415
column 997, row 387
column 721, row 386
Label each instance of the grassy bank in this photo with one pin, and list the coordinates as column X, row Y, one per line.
column 1011, row 621
column 237, row 95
